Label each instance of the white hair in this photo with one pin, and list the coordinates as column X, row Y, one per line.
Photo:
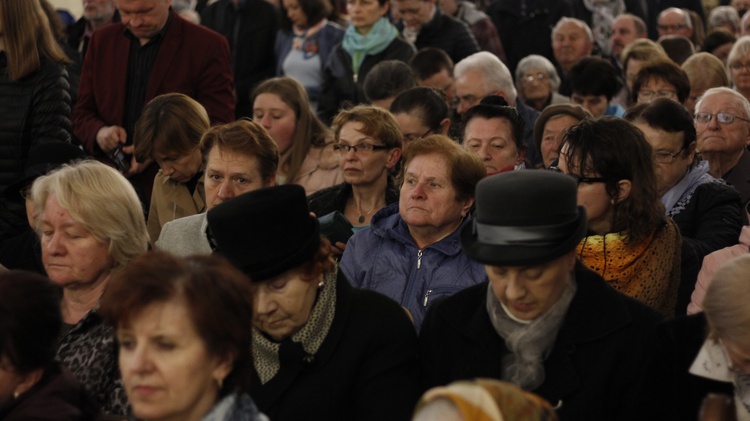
column 495, row 74
column 721, row 15
column 741, row 100
column 583, row 25
column 685, row 15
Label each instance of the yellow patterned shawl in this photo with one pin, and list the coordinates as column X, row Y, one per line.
column 648, row 271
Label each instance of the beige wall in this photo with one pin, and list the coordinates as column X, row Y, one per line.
column 73, row 6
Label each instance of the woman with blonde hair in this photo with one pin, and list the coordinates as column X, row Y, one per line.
column 34, row 96
column 738, row 66
column 91, row 225
column 305, row 144
column 169, row 131
column 705, row 71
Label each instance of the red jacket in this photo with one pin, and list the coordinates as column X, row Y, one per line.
column 191, row 60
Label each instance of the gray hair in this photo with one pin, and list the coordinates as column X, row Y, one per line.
column 740, row 50
column 583, row 25
column 539, row 62
column 725, row 304
column 721, row 15
column 738, row 97
column 685, row 15
column 495, row 74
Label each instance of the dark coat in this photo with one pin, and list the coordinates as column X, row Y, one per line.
column 33, row 110
column 251, row 43
column 341, row 85
column 595, row 365
column 23, row 252
column 76, row 31
column 334, row 198
column 58, row 396
column 449, row 34
column 711, row 221
column 673, row 393
column 366, row 368
column 739, row 177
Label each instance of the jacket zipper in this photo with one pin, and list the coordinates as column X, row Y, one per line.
column 419, row 259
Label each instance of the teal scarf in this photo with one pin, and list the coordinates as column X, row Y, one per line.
column 358, row 46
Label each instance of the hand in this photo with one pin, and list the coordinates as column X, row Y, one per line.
column 135, row 166
column 108, row 137
column 338, row 248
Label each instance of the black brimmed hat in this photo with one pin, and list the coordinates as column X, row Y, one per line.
column 525, row 217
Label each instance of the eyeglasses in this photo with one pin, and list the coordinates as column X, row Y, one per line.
column 739, row 66
column 578, row 179
column 540, row 77
column 410, row 137
column 363, row 148
column 723, row 118
column 664, row 157
column 675, row 27
column 649, row 95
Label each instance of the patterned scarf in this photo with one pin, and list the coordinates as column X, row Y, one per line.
column 311, row 336
column 305, row 40
column 529, row 343
column 676, row 199
column 378, row 39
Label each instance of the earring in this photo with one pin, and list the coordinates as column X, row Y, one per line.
column 220, row 383
column 16, row 395
column 320, row 284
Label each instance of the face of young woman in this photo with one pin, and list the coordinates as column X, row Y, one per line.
column 278, row 118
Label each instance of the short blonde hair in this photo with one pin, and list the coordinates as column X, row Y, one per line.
column 103, row 201
column 725, row 304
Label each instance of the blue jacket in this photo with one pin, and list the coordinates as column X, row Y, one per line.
column 384, row 258
column 328, row 37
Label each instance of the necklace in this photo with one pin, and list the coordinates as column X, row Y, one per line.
column 360, row 217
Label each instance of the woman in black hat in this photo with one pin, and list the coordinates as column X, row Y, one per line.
column 544, row 322
column 322, row 350
column 630, row 242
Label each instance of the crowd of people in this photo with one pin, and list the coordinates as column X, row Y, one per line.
column 436, row 210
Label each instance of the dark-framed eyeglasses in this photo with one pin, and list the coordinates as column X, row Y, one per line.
column 579, row 179
column 410, row 137
column 665, row 157
column 364, row 148
column 722, row 118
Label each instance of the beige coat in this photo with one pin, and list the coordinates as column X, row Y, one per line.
column 171, row 200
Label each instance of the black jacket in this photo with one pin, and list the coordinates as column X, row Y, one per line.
column 449, row 34
column 711, row 220
column 251, row 32
column 341, row 85
column 365, row 370
column 334, row 198
column 595, row 365
column 34, row 110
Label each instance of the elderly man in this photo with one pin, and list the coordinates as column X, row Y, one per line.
column 675, row 21
column 572, row 40
column 543, row 322
column 722, row 123
column 96, row 14
column 483, row 74
column 151, row 52
column 240, row 157
column 626, row 28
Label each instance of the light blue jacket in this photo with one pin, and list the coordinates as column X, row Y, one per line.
column 384, row 258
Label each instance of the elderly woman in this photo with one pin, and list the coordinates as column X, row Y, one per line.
column 91, row 225
column 738, row 66
column 306, row 155
column 660, row 79
column 369, row 144
column 543, row 322
column 169, row 131
column 370, row 39
column 322, row 350
column 495, row 133
column 537, row 82
column 305, row 41
column 551, row 125
column 704, row 71
column 630, row 243
column 411, row 252
column 32, row 384
column 705, row 353
column 419, row 112
column 707, row 211
column 182, row 329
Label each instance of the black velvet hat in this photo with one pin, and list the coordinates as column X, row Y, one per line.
column 525, row 217
column 265, row 232
column 42, row 159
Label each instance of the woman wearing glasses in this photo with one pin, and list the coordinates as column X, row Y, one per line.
column 537, row 83
column 738, row 66
column 630, row 242
column 411, row 253
column 661, row 79
column 707, row 211
column 369, row 143
column 421, row 111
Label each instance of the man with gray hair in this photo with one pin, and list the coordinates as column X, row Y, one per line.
column 674, row 21
column 572, row 40
column 482, row 74
column 96, row 14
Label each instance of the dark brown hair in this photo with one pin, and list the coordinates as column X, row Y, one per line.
column 217, row 296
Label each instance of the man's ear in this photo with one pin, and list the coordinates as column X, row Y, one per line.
column 445, row 126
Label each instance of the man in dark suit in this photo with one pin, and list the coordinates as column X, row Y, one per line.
column 151, row 52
